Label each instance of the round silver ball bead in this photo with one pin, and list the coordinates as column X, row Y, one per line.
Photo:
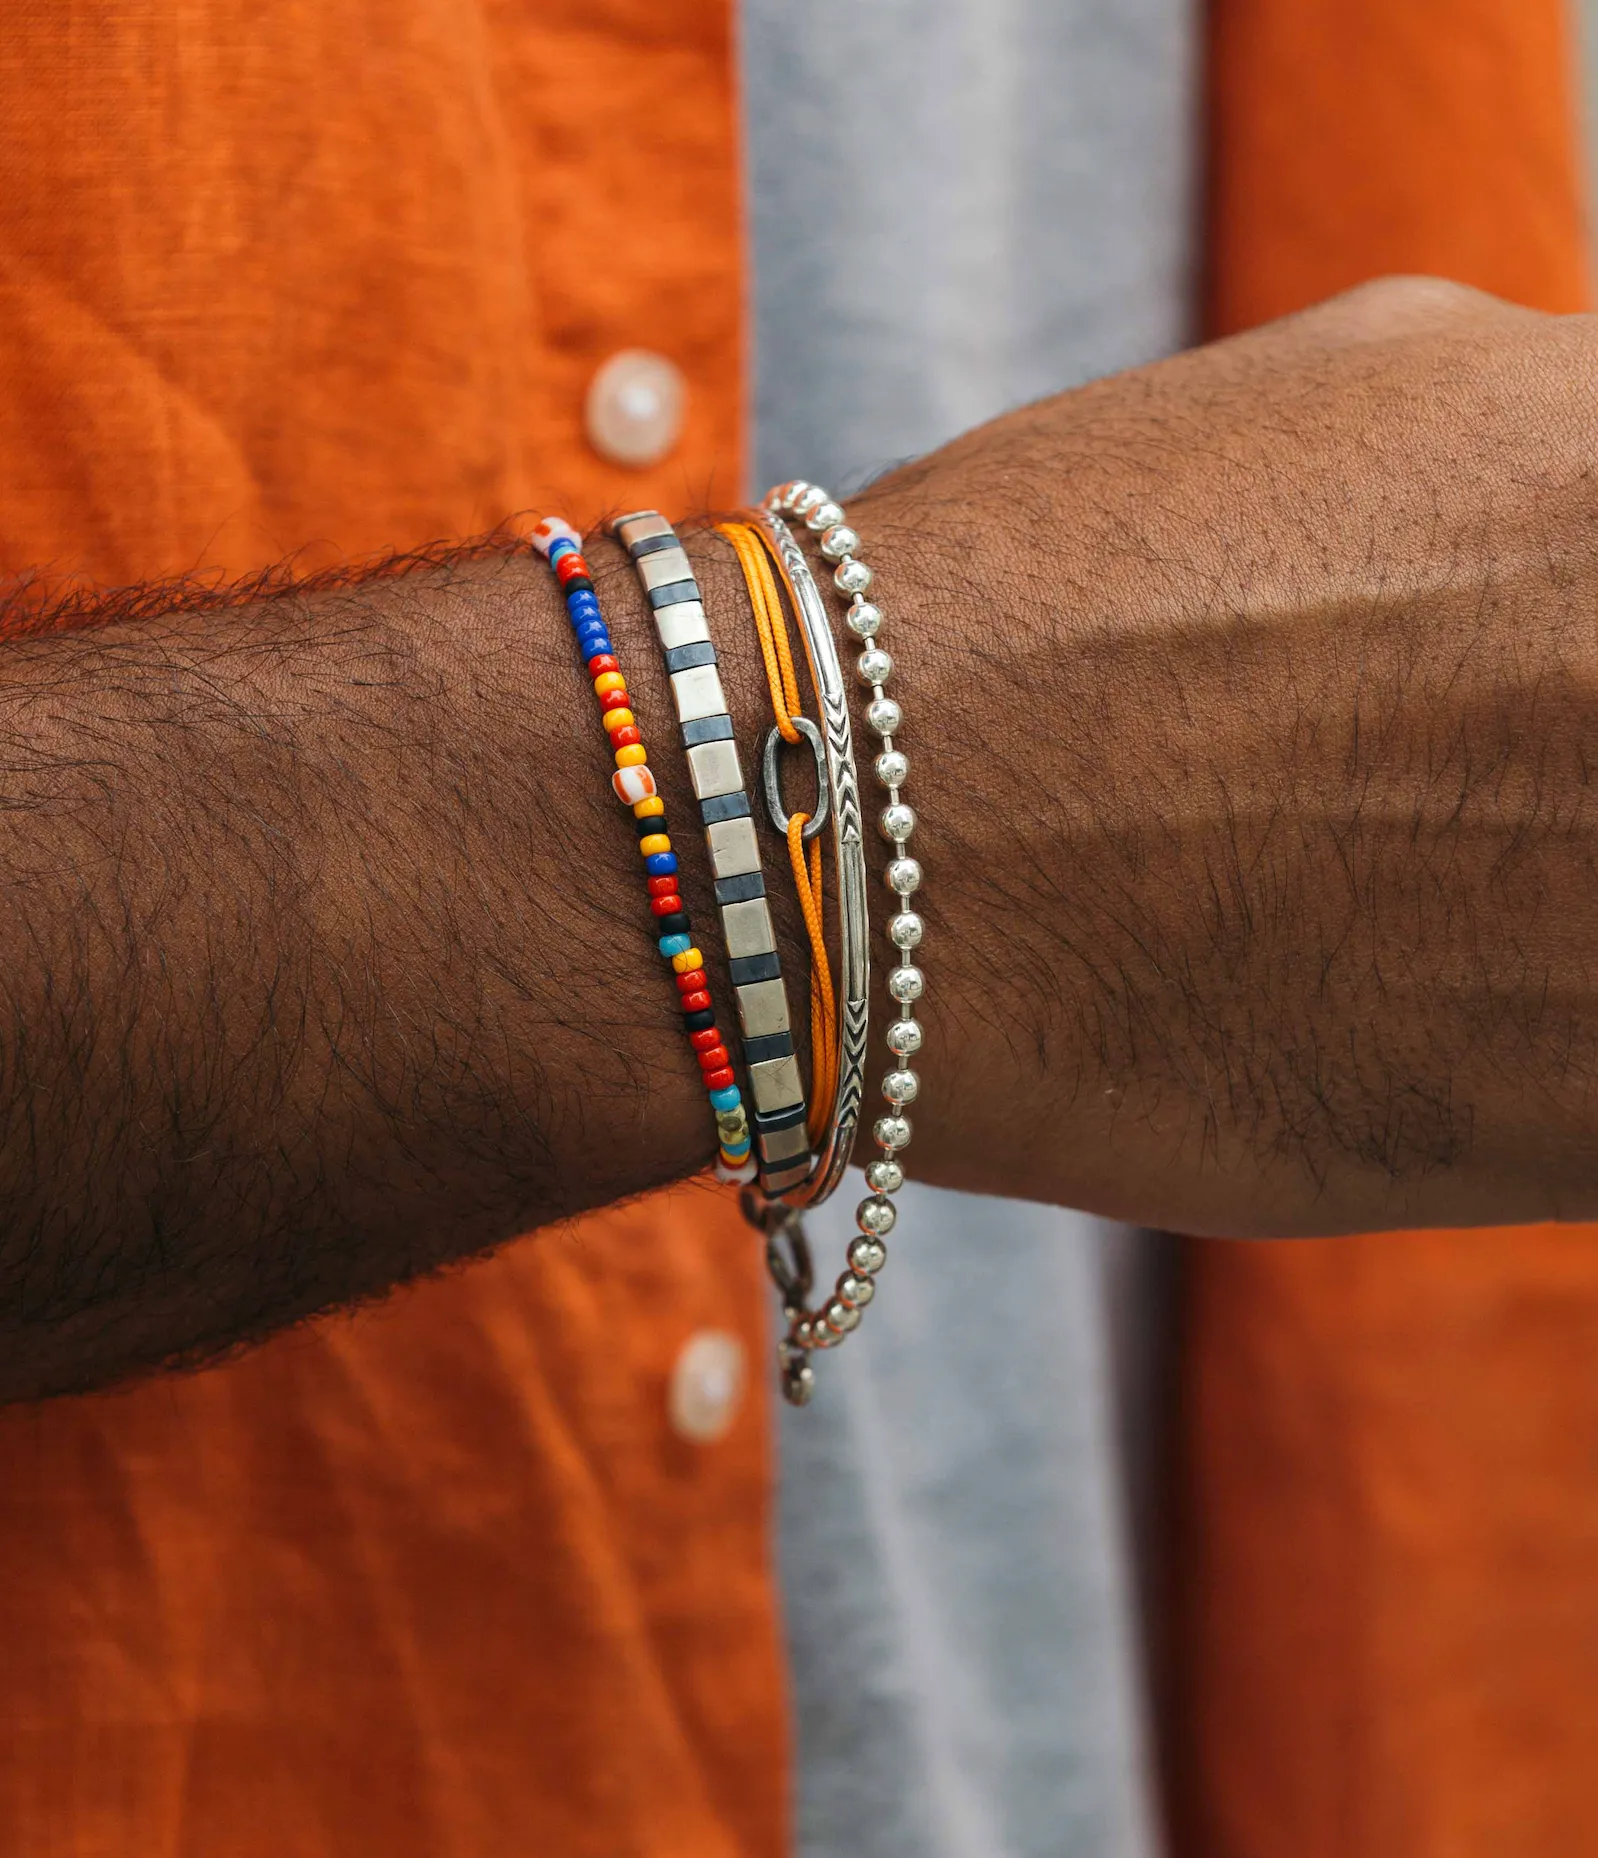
column 823, row 515
column 840, row 1316
column 904, row 930
column 906, row 984
column 893, row 767
column 883, row 715
column 856, row 1290
column 789, row 494
column 901, row 1087
column 807, row 499
column 801, row 1383
column 863, row 619
column 904, row 1038
column 838, row 541
column 891, row 1131
column 876, row 1216
column 874, row 666
column 897, row 822
column 852, row 577
column 884, row 1177
column 867, row 1256
column 903, row 876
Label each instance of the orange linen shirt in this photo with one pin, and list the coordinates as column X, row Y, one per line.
column 438, row 1580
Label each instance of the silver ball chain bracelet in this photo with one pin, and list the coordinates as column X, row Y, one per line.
column 876, row 1215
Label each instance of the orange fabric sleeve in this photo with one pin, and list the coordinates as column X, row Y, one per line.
column 1388, row 1610
column 438, row 1580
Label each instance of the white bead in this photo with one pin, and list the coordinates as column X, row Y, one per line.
column 897, row 822
column 884, row 1177
column 903, row 1038
column 852, row 577
column 552, row 530
column 891, row 1132
column 883, row 715
column 863, row 619
column 901, row 1087
column 904, row 930
column 874, row 666
column 856, row 1290
column 823, row 515
column 893, row 767
column 838, row 541
column 633, row 784
column 868, row 1256
column 876, row 1216
column 906, row 984
column 903, row 876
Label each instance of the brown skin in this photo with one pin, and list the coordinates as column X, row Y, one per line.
column 1252, row 703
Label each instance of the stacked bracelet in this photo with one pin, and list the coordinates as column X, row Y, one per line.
column 777, row 1098
column 635, row 787
column 876, row 1214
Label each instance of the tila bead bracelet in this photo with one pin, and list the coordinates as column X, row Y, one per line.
column 776, row 1094
column 635, row 787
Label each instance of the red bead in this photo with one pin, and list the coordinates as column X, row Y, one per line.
column 719, row 1080
column 705, row 1041
column 694, row 981
column 668, row 905
column 626, row 736
column 662, row 886
column 569, row 567
column 715, row 1059
column 695, row 1002
column 600, row 663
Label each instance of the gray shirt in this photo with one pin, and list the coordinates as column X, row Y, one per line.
column 960, row 205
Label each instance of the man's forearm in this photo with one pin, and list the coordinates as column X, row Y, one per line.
column 1253, row 745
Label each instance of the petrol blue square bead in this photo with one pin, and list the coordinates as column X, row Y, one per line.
column 661, row 864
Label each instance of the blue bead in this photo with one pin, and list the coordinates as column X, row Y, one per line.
column 735, row 1154
column 562, row 545
column 581, row 604
column 727, row 1099
column 581, row 623
column 675, row 945
column 593, row 640
column 661, row 864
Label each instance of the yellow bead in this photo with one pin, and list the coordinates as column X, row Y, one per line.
column 647, row 809
column 689, row 959
column 632, row 756
column 655, row 842
column 609, row 680
column 619, row 719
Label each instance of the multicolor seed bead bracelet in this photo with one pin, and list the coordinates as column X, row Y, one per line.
column 635, row 787
column 776, row 1091
column 876, row 1215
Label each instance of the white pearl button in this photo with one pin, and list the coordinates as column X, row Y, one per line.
column 635, row 407
column 707, row 1386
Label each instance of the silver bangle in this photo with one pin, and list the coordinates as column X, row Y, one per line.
column 876, row 1215
column 777, row 1108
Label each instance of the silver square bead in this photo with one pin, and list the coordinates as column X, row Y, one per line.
column 663, row 567
column 786, row 1144
column 762, row 1008
column 713, row 768
column 734, row 849
column 747, row 927
column 775, row 1083
column 631, row 529
column 697, row 692
column 682, row 624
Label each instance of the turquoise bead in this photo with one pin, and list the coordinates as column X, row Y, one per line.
column 727, row 1099
column 675, row 945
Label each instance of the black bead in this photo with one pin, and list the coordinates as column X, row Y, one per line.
column 656, row 822
column 578, row 584
column 674, row 924
column 699, row 1022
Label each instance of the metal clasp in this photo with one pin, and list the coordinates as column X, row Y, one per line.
column 773, row 778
